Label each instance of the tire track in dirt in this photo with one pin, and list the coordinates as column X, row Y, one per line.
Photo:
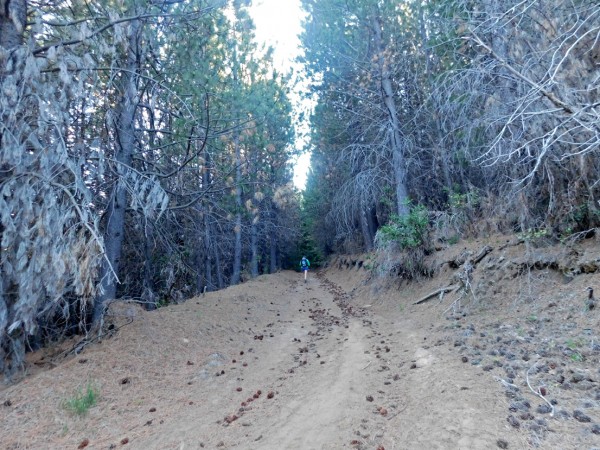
column 321, row 400
column 308, row 360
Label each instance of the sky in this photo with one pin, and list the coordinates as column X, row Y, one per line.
column 278, row 23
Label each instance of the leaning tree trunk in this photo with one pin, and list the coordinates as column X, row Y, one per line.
column 125, row 144
column 396, row 139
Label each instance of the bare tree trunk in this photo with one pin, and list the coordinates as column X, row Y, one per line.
column 254, row 249
column 207, row 253
column 124, row 131
column 396, row 139
column 13, row 18
column 219, row 268
column 272, row 246
column 148, row 294
column 237, row 252
column 200, row 259
column 12, row 346
column 424, row 39
column 208, row 245
column 366, row 232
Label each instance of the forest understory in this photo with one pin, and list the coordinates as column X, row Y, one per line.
column 350, row 359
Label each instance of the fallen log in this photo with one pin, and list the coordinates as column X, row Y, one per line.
column 435, row 293
column 482, row 254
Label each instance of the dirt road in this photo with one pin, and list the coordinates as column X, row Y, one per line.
column 275, row 363
column 341, row 377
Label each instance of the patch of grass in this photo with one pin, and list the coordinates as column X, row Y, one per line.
column 577, row 357
column 82, row 400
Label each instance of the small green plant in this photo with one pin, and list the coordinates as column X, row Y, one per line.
column 564, row 236
column 532, row 318
column 533, row 234
column 82, row 401
column 577, row 357
column 453, row 240
column 574, row 343
column 457, row 200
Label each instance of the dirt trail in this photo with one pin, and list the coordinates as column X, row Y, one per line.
column 274, row 363
column 341, row 377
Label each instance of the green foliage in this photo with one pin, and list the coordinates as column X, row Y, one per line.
column 387, row 199
column 574, row 343
column 408, row 231
column 453, row 240
column 162, row 302
column 577, row 357
column 82, row 401
column 533, row 235
column 307, row 246
column 458, row 200
column 581, row 218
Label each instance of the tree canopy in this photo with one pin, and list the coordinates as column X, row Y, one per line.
column 145, row 155
column 485, row 113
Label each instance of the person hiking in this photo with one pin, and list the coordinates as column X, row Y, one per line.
column 304, row 266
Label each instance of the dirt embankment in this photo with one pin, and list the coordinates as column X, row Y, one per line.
column 346, row 360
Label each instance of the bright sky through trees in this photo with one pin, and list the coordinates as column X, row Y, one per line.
column 278, row 23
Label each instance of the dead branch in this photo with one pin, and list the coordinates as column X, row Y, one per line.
column 549, row 95
column 455, row 305
column 80, row 345
column 441, row 291
column 465, row 256
column 538, row 393
column 464, row 278
column 506, row 383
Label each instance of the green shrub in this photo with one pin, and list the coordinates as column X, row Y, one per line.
column 453, row 240
column 408, row 231
column 82, row 401
column 403, row 244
